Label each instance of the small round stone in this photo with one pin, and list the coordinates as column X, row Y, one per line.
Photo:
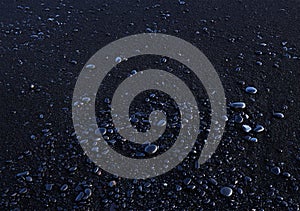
column 118, row 59
column 226, row 191
column 251, row 90
column 275, row 170
column 238, row 118
column 151, row 149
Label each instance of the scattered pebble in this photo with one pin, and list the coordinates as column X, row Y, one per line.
column 275, row 170
column 259, row 129
column 112, row 183
column 238, row 118
column 226, row 191
column 278, row 115
column 246, row 128
column 90, row 66
column 64, row 187
column 151, row 149
column 118, row 59
column 237, row 105
column 252, row 139
column 49, row 187
column 251, row 90
column 79, row 196
column 25, row 173
column 23, row 190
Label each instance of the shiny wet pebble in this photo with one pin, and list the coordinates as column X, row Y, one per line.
column 151, row 149
column 238, row 118
column 25, row 173
column 275, row 170
column 226, row 191
column 64, row 187
column 278, row 115
column 90, row 66
column 237, row 105
column 251, row 90
column 23, row 190
column 246, row 128
column 259, row 128
column 79, row 196
column 88, row 192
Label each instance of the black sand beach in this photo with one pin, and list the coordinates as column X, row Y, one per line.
column 45, row 44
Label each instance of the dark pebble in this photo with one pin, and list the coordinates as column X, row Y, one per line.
column 213, row 181
column 23, row 190
column 286, row 174
column 28, row 179
column 238, row 118
column 88, row 192
column 49, row 186
column 259, row 128
column 25, row 173
column 252, row 139
column 278, row 115
column 64, row 187
column 79, row 196
column 178, row 188
column 275, row 170
column 72, row 169
column 251, row 90
column 112, row 183
column 240, row 191
column 151, row 149
column 246, row 128
column 237, row 105
column 226, row 191
column 187, row 181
